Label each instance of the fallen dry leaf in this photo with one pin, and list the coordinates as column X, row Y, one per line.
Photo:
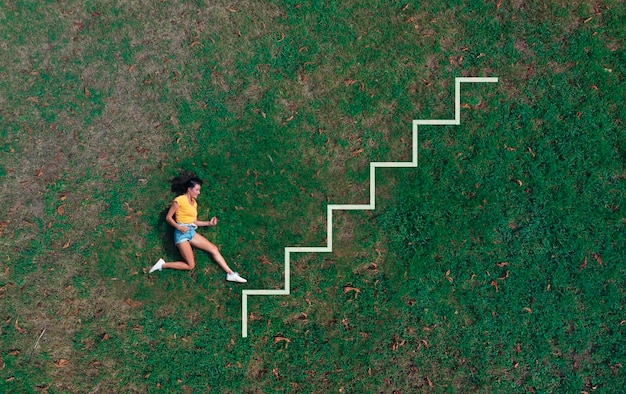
column 357, row 152
column 397, row 343
column 133, row 304
column 278, row 339
column 62, row 363
column 18, row 328
column 598, row 259
column 348, row 289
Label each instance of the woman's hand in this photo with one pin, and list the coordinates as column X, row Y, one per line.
column 183, row 229
column 212, row 222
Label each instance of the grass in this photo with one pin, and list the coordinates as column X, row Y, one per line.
column 495, row 266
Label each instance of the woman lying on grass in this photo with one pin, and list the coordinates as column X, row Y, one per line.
column 185, row 210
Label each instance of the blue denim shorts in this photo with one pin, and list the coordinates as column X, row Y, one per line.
column 186, row 237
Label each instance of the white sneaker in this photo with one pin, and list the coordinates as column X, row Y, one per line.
column 234, row 277
column 157, row 267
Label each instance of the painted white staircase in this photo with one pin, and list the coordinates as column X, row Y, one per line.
column 355, row 207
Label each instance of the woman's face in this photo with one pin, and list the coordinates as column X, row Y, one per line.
column 194, row 191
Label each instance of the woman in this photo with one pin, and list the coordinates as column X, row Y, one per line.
column 183, row 216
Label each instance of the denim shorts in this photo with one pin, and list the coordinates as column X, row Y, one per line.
column 180, row 237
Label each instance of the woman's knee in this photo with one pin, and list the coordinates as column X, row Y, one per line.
column 190, row 260
column 209, row 248
column 212, row 249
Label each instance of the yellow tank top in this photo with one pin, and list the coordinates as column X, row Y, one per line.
column 186, row 213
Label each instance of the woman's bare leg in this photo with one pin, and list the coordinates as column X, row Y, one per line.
column 187, row 252
column 202, row 243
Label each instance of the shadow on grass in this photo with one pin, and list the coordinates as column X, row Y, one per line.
column 166, row 235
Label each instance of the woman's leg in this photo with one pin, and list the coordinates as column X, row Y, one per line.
column 187, row 253
column 202, row 243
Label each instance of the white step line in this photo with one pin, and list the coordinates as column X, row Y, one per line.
column 356, row 207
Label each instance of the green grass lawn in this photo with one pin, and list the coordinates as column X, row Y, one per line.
column 496, row 265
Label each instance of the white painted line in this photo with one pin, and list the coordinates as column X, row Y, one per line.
column 357, row 207
column 350, row 207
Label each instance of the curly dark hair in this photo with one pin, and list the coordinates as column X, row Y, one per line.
column 183, row 181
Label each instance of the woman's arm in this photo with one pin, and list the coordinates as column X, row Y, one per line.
column 169, row 218
column 212, row 222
